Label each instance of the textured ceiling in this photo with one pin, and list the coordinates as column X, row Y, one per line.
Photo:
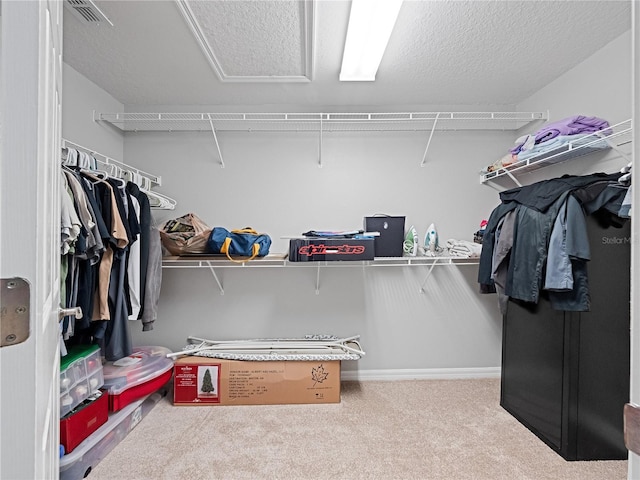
column 440, row 53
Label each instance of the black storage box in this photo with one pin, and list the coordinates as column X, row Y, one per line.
column 389, row 243
column 316, row 249
column 565, row 374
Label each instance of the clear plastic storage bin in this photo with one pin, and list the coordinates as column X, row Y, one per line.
column 129, row 378
column 80, row 375
column 79, row 463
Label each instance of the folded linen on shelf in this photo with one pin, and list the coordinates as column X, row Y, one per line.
column 574, row 125
column 463, row 248
column 571, row 126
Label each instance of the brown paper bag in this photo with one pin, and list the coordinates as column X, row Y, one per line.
column 186, row 234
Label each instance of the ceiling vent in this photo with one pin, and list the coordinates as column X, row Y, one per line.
column 87, row 11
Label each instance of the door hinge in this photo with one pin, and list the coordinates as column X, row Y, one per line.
column 14, row 311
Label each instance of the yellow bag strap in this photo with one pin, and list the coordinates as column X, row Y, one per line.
column 245, row 230
column 225, row 249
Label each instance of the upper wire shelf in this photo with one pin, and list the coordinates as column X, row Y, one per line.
column 615, row 137
column 320, row 122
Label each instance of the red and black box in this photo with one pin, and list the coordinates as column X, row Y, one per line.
column 316, row 249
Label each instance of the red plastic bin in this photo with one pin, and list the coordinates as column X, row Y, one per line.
column 83, row 421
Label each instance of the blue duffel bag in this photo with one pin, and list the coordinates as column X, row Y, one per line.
column 245, row 242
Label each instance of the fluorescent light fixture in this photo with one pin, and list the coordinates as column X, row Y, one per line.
column 370, row 25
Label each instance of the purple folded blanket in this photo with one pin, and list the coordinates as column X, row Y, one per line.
column 567, row 126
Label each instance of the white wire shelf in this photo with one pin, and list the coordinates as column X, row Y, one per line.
column 618, row 137
column 213, row 262
column 317, row 122
column 280, row 260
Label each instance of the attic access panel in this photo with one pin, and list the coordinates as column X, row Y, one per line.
column 249, row 41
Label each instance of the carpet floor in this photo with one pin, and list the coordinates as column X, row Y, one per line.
column 418, row 429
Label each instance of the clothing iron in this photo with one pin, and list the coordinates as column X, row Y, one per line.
column 431, row 240
column 411, row 242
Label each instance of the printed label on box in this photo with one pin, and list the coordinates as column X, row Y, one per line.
column 250, row 382
column 326, row 249
column 197, row 383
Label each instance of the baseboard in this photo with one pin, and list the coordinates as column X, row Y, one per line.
column 421, row 374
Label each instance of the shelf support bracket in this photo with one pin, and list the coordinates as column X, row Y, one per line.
column 435, row 260
column 318, row 280
column 320, row 144
column 215, row 276
column 433, row 129
column 615, row 146
column 512, row 177
column 215, row 138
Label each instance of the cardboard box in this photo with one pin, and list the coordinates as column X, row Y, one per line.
column 214, row 381
column 330, row 249
column 391, row 239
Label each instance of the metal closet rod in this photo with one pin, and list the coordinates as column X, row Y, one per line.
column 106, row 160
column 158, row 200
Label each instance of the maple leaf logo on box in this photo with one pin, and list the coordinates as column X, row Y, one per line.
column 318, row 374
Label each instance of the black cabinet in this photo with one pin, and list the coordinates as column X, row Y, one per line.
column 565, row 375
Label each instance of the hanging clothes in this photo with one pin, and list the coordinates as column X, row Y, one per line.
column 111, row 258
column 153, row 281
column 117, row 239
column 145, row 234
column 546, row 248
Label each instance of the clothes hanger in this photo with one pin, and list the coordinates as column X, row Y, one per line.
column 157, row 200
column 94, row 176
column 69, row 156
column 84, row 161
column 134, row 177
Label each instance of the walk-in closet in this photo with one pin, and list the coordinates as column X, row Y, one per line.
column 243, row 114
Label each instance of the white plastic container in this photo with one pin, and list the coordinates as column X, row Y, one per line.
column 144, row 371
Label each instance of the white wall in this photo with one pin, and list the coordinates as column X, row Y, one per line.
column 80, row 97
column 272, row 182
column 601, row 86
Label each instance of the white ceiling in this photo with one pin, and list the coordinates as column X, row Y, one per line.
column 288, row 52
